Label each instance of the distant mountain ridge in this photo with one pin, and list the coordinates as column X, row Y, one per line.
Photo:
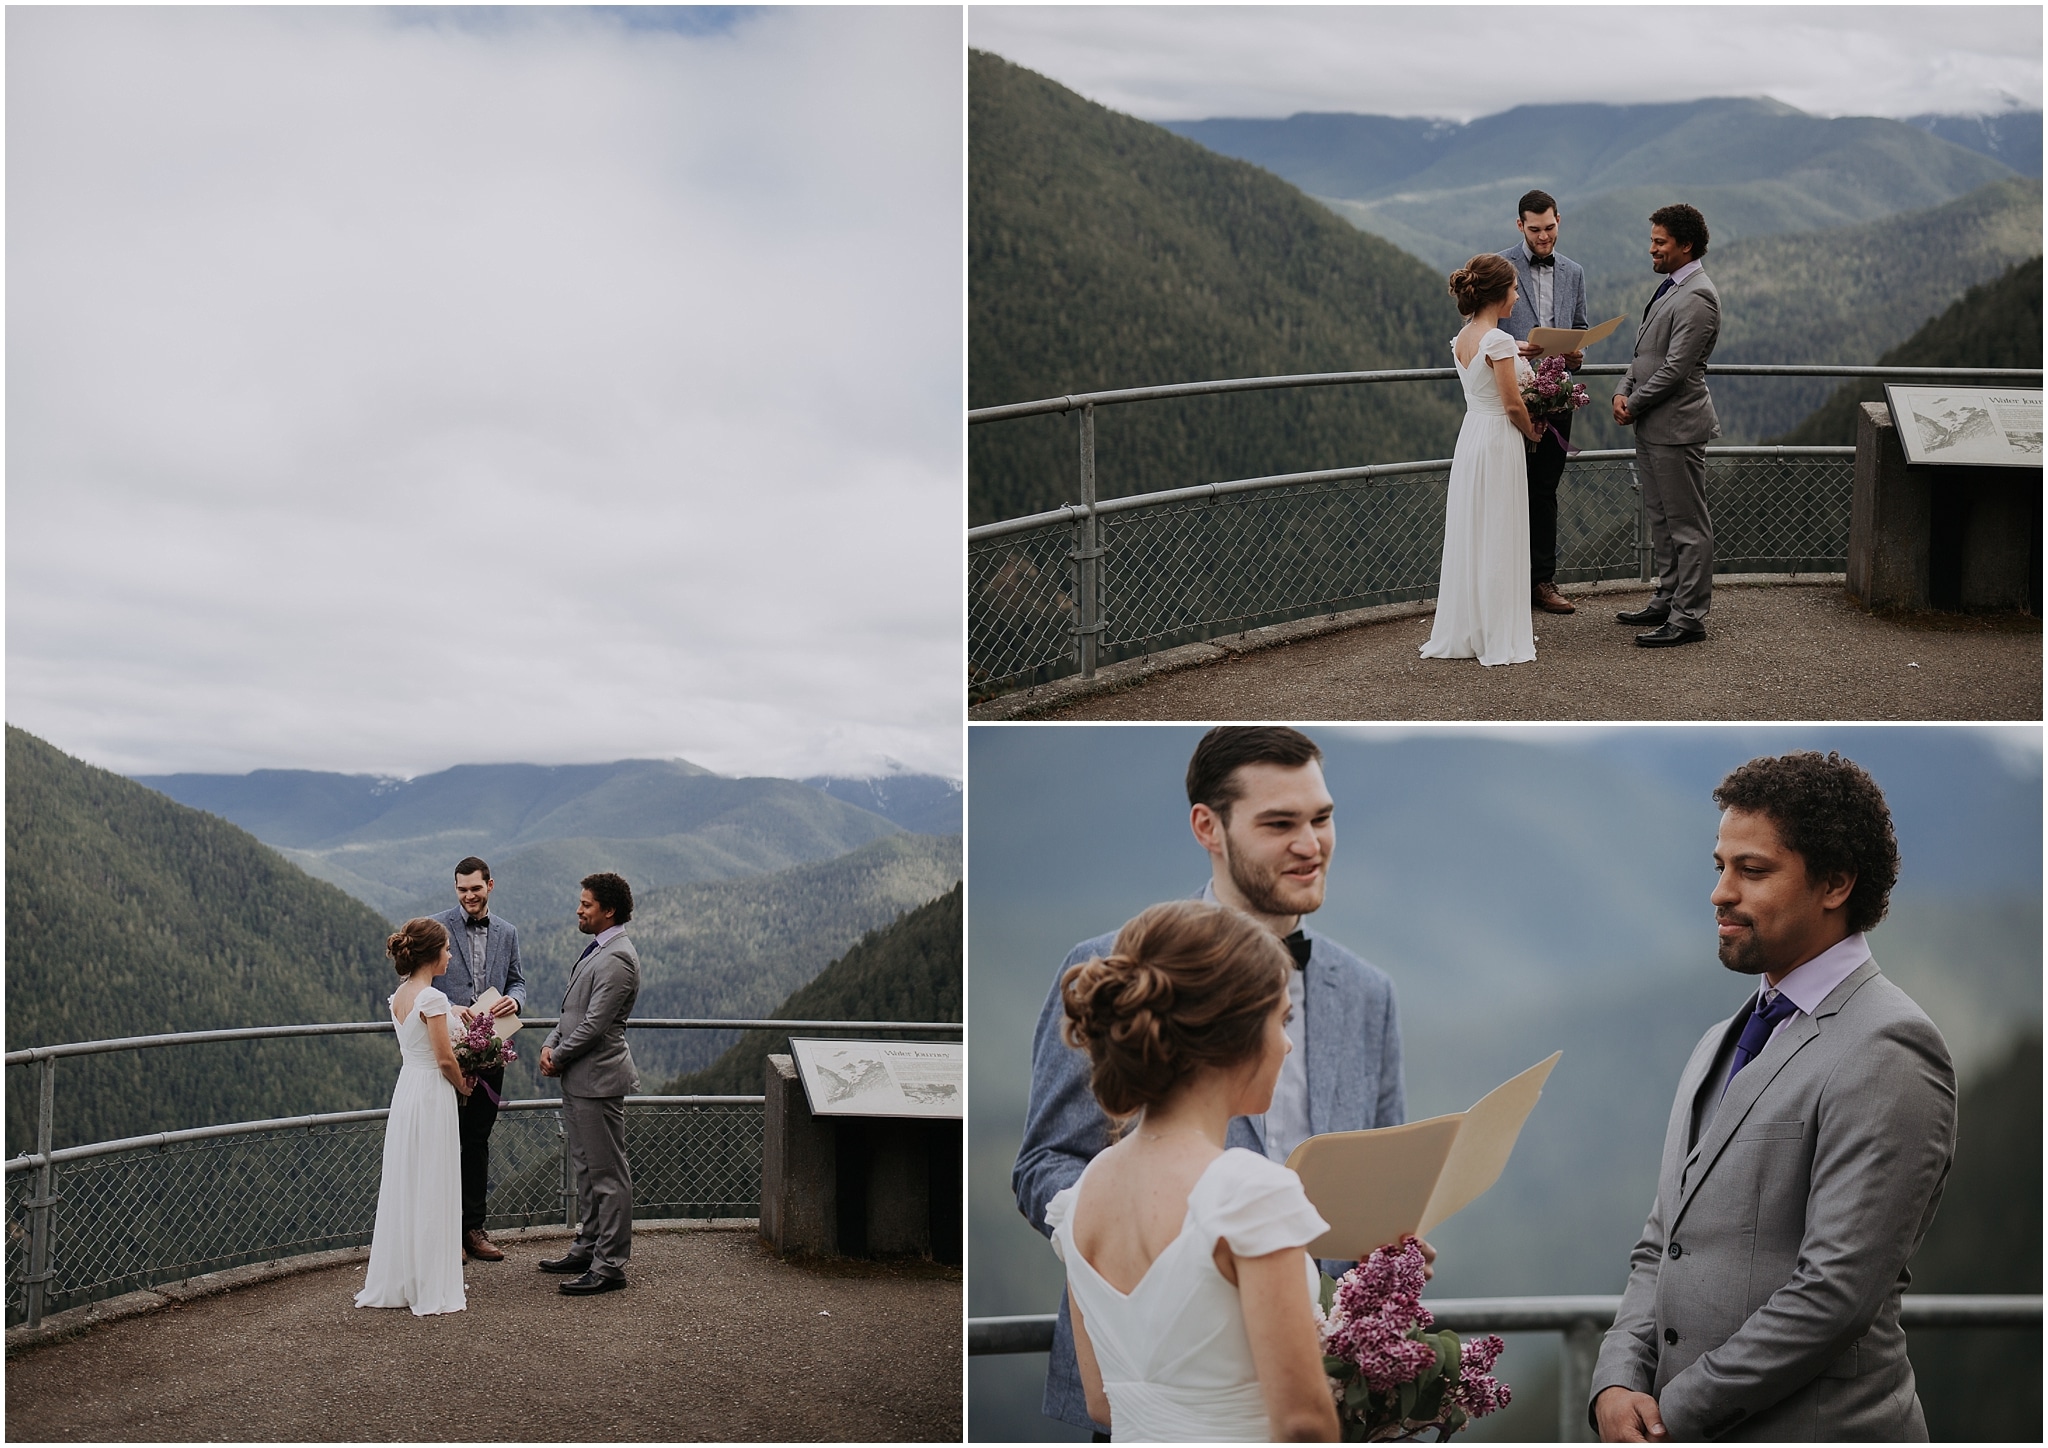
column 2013, row 137
column 1997, row 324
column 130, row 914
column 1106, row 252
column 909, row 970
column 392, row 843
column 1756, row 167
column 924, row 804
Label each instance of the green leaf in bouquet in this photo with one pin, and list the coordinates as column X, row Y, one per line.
column 1407, row 1402
column 1327, row 1293
column 1450, row 1356
column 1336, row 1367
column 1357, row 1396
column 1429, row 1395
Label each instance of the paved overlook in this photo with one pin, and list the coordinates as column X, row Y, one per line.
column 1773, row 651
column 716, row 1339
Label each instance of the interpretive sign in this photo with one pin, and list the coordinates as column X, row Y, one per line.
column 881, row 1078
column 1997, row 427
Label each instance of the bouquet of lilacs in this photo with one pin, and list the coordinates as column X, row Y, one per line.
column 1548, row 391
column 1391, row 1375
column 479, row 1048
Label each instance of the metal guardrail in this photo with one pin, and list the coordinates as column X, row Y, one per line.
column 1582, row 1320
column 1065, row 591
column 157, row 1208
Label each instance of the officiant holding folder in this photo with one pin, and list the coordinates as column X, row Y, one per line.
column 1551, row 292
column 483, row 955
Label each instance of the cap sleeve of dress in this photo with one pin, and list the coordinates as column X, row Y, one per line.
column 1057, row 1211
column 1499, row 345
column 1255, row 1205
column 431, row 1003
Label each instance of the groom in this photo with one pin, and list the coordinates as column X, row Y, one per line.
column 1806, row 1152
column 1257, row 804
column 587, row 1051
column 1550, row 292
column 1664, row 398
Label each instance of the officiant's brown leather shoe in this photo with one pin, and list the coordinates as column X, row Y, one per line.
column 1547, row 598
column 477, row 1245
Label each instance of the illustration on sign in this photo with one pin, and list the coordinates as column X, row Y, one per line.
column 881, row 1078
column 1998, row 427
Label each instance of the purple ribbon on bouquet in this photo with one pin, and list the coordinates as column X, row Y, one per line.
column 1564, row 442
column 496, row 1099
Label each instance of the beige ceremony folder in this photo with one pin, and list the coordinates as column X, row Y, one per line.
column 1375, row 1187
column 1556, row 341
column 505, row 1026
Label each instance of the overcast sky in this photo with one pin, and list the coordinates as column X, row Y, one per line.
column 1165, row 63
column 393, row 390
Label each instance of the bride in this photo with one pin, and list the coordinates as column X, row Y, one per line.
column 1482, row 602
column 416, row 1250
column 1192, row 1297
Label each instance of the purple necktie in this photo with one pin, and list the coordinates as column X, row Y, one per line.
column 1757, row 1030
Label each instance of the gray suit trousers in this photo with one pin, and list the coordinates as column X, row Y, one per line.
column 596, row 1128
column 1674, row 479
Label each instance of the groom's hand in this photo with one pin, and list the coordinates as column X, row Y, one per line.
column 1621, row 412
column 547, row 1061
column 1628, row 1417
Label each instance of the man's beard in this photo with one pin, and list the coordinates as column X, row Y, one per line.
column 1261, row 890
column 1744, row 954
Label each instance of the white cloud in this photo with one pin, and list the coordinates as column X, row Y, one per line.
column 1164, row 63
column 393, row 390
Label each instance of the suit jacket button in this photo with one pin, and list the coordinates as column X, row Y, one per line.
column 1676, row 1251
column 1671, row 1337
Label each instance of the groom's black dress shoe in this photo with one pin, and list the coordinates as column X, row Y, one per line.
column 1644, row 617
column 590, row 1283
column 1670, row 636
column 564, row 1264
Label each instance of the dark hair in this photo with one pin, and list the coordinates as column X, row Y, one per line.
column 416, row 943
column 1212, row 769
column 1831, row 814
column 471, row 865
column 1481, row 282
column 1685, row 224
column 611, row 893
column 1188, row 985
column 1534, row 203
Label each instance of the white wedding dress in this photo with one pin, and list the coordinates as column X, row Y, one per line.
column 1482, row 601
column 416, row 1251
column 1175, row 1360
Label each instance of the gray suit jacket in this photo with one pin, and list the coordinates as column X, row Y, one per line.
column 1763, row 1298
column 1666, row 382
column 1567, row 295
column 1353, row 1054
column 590, row 1040
column 467, row 979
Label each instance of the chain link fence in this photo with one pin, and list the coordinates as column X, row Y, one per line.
column 1197, row 563
column 134, row 1213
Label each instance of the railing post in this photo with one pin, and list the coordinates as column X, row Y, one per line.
column 39, row 1209
column 1575, row 1360
column 1087, row 553
column 1644, row 550
column 568, row 1191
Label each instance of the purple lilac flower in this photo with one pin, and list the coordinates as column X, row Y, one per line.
column 1478, row 1392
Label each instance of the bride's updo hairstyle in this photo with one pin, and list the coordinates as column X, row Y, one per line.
column 1189, row 985
column 1481, row 282
column 416, row 943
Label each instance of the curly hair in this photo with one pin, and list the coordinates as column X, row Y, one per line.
column 1684, row 225
column 416, row 943
column 1831, row 814
column 611, row 892
column 1188, row 986
column 1481, row 282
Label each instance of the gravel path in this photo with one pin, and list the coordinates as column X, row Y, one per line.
column 717, row 1339
column 1772, row 652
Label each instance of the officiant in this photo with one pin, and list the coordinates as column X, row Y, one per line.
column 483, row 954
column 1551, row 292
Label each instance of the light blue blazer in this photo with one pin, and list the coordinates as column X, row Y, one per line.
column 467, row 979
column 1353, row 1055
column 1567, row 295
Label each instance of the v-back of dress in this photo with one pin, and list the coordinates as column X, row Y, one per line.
column 1483, row 588
column 1175, row 1360
column 416, row 1249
